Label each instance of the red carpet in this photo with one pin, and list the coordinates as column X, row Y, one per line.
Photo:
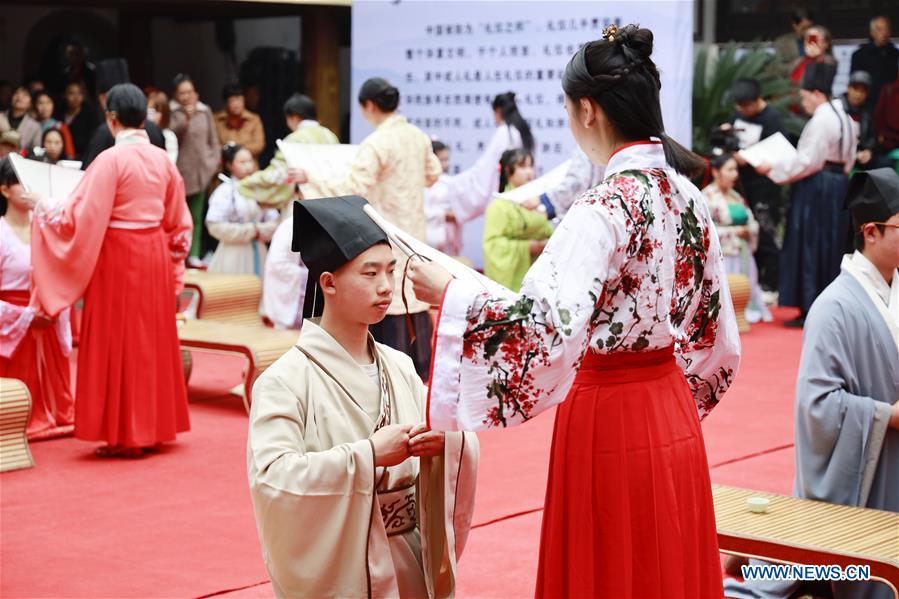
column 179, row 524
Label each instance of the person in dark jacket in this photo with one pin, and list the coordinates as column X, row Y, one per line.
column 110, row 72
column 878, row 57
column 855, row 104
column 754, row 120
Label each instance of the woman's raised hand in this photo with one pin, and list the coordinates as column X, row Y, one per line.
column 429, row 280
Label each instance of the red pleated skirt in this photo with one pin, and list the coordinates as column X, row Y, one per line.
column 131, row 388
column 629, row 509
column 39, row 362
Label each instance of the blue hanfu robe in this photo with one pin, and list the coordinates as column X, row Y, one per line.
column 848, row 379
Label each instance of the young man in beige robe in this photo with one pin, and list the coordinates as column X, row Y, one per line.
column 354, row 495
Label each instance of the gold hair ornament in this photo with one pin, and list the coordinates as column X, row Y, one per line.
column 609, row 32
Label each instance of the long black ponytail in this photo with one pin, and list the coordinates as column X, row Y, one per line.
column 507, row 107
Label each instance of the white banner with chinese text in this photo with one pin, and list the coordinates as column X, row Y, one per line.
column 450, row 58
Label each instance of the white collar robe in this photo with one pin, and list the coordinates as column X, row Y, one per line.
column 319, row 500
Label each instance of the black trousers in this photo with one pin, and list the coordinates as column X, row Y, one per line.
column 393, row 331
column 764, row 197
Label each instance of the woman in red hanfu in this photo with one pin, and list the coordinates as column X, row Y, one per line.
column 626, row 317
column 120, row 240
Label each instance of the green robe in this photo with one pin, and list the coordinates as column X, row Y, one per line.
column 508, row 231
column 269, row 187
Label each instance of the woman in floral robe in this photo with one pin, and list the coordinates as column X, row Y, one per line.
column 626, row 317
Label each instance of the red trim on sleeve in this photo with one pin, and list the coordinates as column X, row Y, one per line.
column 434, row 355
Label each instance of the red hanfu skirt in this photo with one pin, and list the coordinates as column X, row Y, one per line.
column 39, row 363
column 629, row 509
column 130, row 386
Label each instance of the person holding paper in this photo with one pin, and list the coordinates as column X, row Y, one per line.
column 627, row 318
column 392, row 168
column 240, row 225
column 33, row 349
column 272, row 186
column 354, row 495
column 817, row 231
column 513, row 236
column 119, row 241
column 847, row 389
column 754, row 120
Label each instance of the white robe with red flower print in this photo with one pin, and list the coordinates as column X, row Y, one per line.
column 634, row 266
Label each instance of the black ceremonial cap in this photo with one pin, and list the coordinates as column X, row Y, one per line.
column 819, row 77
column 111, row 72
column 328, row 233
column 873, row 196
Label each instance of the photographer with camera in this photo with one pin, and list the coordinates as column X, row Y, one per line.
column 753, row 121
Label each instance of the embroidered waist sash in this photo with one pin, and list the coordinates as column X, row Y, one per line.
column 398, row 510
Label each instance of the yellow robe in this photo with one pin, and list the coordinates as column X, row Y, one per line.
column 322, row 508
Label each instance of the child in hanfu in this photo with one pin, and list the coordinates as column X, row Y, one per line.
column 240, row 225
column 513, row 236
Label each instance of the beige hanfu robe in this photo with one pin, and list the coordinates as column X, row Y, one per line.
column 330, row 523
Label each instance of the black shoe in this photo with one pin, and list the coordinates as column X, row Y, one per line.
column 796, row 323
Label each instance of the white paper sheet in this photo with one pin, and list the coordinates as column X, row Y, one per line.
column 774, row 149
column 413, row 247
column 46, row 180
column 537, row 186
column 328, row 161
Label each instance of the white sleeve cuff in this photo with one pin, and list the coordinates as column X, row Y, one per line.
column 446, row 357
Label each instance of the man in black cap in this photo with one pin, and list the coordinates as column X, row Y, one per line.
column 111, row 72
column 354, row 495
column 817, row 231
column 847, row 390
column 753, row 121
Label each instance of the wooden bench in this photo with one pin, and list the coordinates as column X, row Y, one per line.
column 225, row 297
column 800, row 531
column 15, row 410
column 260, row 345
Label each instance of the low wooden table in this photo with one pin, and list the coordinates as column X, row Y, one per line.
column 801, row 531
column 259, row 344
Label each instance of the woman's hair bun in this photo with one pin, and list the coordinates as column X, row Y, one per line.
column 634, row 38
column 381, row 92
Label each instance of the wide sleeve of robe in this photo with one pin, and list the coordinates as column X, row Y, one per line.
column 838, row 433
column 284, row 283
column 502, row 358
column 575, row 182
column 177, row 224
column 66, row 239
column 470, row 192
column 223, row 219
column 508, row 231
column 363, row 175
column 313, row 508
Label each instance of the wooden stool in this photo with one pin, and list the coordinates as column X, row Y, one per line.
column 15, row 410
column 739, row 295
